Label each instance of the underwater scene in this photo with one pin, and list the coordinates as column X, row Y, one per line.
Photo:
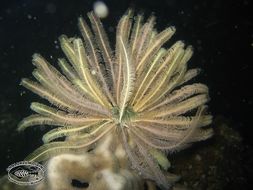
column 126, row 95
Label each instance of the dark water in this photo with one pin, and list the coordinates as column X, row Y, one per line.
column 220, row 31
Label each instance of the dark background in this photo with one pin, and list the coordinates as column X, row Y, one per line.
column 220, row 31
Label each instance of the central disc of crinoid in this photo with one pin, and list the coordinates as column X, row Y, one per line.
column 128, row 115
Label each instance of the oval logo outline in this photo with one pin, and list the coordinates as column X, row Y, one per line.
column 26, row 173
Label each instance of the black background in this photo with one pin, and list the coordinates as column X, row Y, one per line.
column 220, row 31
